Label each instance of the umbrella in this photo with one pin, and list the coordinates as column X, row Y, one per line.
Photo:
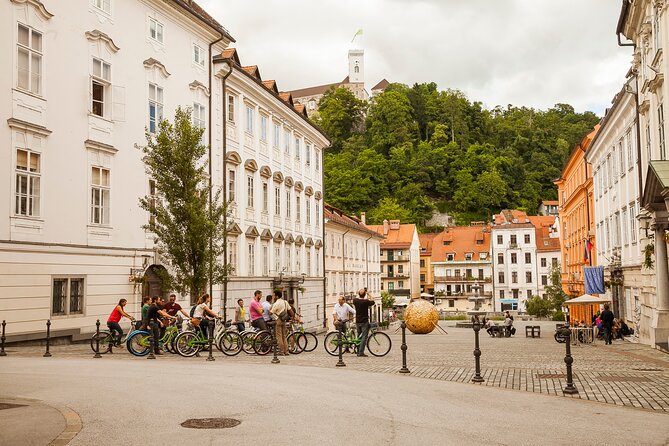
column 426, row 295
column 588, row 299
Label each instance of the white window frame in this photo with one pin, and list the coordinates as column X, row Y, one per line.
column 101, row 77
column 263, row 128
column 28, row 184
column 307, row 209
column 102, row 5
column 276, row 137
column 156, row 31
column 277, row 258
column 67, row 309
column 288, row 203
column 249, row 119
column 317, row 159
column 297, row 149
column 251, row 256
column 231, row 109
column 33, row 66
column 286, row 142
column 156, row 98
column 298, row 207
column 265, row 197
column 200, row 117
column 307, row 155
column 100, row 196
column 277, row 201
column 232, row 255
column 198, row 55
column 232, row 183
column 265, row 260
column 250, row 191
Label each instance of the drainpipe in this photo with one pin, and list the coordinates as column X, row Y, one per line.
column 367, row 260
column 343, row 258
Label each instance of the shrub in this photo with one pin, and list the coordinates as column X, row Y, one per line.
column 558, row 316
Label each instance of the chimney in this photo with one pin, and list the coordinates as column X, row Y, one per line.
column 362, row 218
column 386, row 227
column 394, row 224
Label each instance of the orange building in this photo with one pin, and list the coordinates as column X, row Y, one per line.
column 426, row 274
column 576, row 217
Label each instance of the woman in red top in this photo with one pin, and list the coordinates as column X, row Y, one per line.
column 114, row 319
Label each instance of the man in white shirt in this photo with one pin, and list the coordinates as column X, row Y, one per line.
column 341, row 314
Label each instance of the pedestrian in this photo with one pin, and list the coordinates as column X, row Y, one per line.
column 280, row 312
column 508, row 325
column 114, row 319
column 240, row 316
column 607, row 323
column 256, row 312
column 266, row 305
column 173, row 308
column 362, row 304
column 155, row 312
column 341, row 314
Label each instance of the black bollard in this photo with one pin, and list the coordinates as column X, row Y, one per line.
column 340, row 363
column 97, row 340
column 275, row 347
column 211, row 339
column 48, row 338
column 153, row 344
column 568, row 360
column 404, row 368
column 477, row 353
column 2, row 340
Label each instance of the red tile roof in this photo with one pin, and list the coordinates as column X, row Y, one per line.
column 381, row 85
column 338, row 216
column 550, row 202
column 319, row 89
column 542, row 225
column 511, row 219
column 426, row 242
column 396, row 238
column 196, row 10
column 461, row 240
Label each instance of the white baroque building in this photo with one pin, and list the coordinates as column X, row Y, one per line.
column 613, row 154
column 86, row 80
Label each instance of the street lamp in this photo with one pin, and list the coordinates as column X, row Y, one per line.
column 226, row 65
column 644, row 220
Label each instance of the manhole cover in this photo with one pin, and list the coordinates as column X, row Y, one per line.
column 630, row 379
column 4, row 406
column 210, row 423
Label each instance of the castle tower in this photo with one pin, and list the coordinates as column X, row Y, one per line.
column 356, row 66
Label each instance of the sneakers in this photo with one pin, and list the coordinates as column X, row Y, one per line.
column 362, row 356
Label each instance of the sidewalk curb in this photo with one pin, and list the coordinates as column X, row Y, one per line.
column 73, row 425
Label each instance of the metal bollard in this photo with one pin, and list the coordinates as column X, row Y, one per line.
column 48, row 338
column 477, row 353
column 97, row 340
column 340, row 363
column 152, row 347
column 565, row 332
column 404, row 368
column 2, row 340
column 211, row 340
column 275, row 347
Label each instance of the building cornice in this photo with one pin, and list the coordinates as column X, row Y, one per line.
column 96, row 145
column 197, row 85
column 28, row 126
column 38, row 5
column 97, row 35
column 153, row 63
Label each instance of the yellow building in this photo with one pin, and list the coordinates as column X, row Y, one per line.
column 426, row 273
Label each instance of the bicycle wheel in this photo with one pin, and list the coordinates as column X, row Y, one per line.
column 186, row 344
column 293, row 342
column 139, row 343
column 331, row 343
column 105, row 341
column 230, row 343
column 247, row 342
column 307, row 342
column 262, row 343
column 378, row 344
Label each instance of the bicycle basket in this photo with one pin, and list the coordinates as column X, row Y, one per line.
column 195, row 322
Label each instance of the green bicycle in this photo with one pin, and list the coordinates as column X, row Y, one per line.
column 139, row 342
column 378, row 344
column 189, row 343
column 300, row 340
column 108, row 341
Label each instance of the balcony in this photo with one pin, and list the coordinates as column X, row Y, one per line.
column 513, row 245
column 451, row 279
column 395, row 259
column 394, row 276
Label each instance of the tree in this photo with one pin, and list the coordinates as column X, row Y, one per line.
column 387, row 300
column 554, row 291
column 536, row 306
column 389, row 209
column 189, row 229
column 340, row 115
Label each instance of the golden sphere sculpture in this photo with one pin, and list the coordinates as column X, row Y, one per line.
column 421, row 316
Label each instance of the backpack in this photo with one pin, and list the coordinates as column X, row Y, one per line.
column 192, row 311
column 286, row 314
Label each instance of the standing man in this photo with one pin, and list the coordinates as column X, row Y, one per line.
column 256, row 312
column 341, row 314
column 172, row 307
column 362, row 304
column 607, row 323
column 280, row 311
column 266, row 307
column 240, row 316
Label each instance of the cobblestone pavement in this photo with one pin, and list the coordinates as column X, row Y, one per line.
column 624, row 374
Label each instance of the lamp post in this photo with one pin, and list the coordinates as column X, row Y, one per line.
column 226, row 70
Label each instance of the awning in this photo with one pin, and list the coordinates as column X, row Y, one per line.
column 588, row 299
column 509, row 301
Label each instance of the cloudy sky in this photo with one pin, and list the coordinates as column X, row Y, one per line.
column 522, row 52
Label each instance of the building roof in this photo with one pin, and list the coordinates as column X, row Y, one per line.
column 196, row 10
column 550, row 203
column 426, row 242
column 460, row 240
column 508, row 219
column 319, row 89
column 396, row 238
column 338, row 216
column 542, row 227
column 383, row 83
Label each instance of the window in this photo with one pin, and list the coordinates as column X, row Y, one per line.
column 400, row 284
column 481, row 273
column 543, row 262
column 400, row 269
column 277, row 259
column 318, row 215
column 514, row 257
column 660, row 128
column 198, row 55
column 623, row 221
column 265, row 197
column 500, row 239
column 308, row 210
column 231, row 185
column 153, row 200
column 232, row 256
column 308, row 262
column 544, row 280
column 630, row 150
column 29, row 68
column 156, row 30
column 27, row 183
column 249, row 191
column 449, row 257
column 648, row 140
column 231, row 109
column 252, row 259
column 528, row 257
column 275, row 140
column 451, row 303
column 297, row 148
column 102, row 5
column 621, row 157
column 265, row 261
column 529, row 294
column 527, row 238
column 286, row 142
column 514, row 241
column 298, row 207
column 100, row 191
column 514, row 277
column 501, row 294
column 288, row 204
column 199, row 117
column 500, row 259
column 632, row 209
column 277, row 201
column 528, row 277
column 308, row 155
column 468, row 256
column 100, row 85
column 249, row 119
column 422, row 263
column 500, row 277
column 554, row 261
column 67, row 296
column 317, row 159
column 155, row 106
column 263, row 128
column 289, row 261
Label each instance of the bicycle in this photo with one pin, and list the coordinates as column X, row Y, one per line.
column 191, row 342
column 140, row 342
column 378, row 343
column 299, row 340
column 108, row 340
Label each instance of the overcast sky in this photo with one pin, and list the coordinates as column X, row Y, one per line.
column 523, row 52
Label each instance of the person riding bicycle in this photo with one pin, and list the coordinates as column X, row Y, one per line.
column 173, row 308
column 155, row 312
column 295, row 317
column 203, row 314
column 362, row 304
column 240, row 316
column 256, row 312
column 114, row 319
column 341, row 314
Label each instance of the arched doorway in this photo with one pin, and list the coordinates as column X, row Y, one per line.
column 153, row 282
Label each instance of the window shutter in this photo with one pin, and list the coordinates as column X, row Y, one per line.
column 90, row 94
column 118, row 97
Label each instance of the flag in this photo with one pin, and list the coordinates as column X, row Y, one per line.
column 357, row 33
column 587, row 250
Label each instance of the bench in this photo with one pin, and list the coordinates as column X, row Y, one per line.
column 533, row 331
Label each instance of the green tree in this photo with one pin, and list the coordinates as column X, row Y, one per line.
column 390, row 122
column 189, row 229
column 389, row 209
column 554, row 291
column 340, row 115
column 536, row 306
column 387, row 300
